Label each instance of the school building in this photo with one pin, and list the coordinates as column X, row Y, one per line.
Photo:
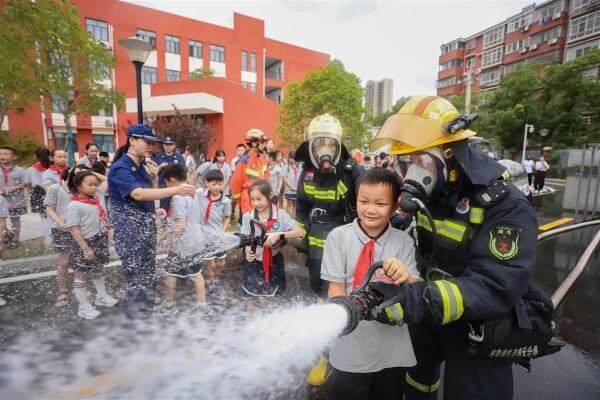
column 251, row 73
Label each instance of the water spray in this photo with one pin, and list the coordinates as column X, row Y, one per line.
column 369, row 299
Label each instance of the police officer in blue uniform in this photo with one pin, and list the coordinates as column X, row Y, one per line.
column 132, row 189
column 164, row 158
column 476, row 236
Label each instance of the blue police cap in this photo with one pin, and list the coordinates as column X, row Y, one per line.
column 142, row 131
column 169, row 140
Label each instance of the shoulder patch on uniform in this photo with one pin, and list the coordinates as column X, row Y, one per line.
column 504, row 242
column 309, row 176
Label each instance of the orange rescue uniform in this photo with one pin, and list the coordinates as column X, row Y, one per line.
column 250, row 167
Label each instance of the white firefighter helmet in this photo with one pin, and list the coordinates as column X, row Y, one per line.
column 325, row 141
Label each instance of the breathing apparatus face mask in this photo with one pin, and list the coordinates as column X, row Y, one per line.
column 324, row 153
column 423, row 173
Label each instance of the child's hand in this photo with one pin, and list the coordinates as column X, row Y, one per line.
column 395, row 269
column 161, row 213
column 250, row 255
column 272, row 239
column 88, row 253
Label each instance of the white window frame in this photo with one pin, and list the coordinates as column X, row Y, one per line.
column 217, row 53
column 493, row 37
column 172, row 44
column 493, row 74
column 194, row 44
column 518, row 22
column 584, row 26
column 491, row 57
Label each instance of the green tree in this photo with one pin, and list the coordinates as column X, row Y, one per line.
column 572, row 101
column 514, row 104
column 331, row 90
column 379, row 120
column 65, row 64
column 201, row 73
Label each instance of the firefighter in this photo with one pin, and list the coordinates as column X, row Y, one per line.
column 326, row 195
column 250, row 167
column 477, row 266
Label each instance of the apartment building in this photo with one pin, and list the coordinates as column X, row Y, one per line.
column 378, row 95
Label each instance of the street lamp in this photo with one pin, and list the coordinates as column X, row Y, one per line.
column 138, row 51
column 529, row 128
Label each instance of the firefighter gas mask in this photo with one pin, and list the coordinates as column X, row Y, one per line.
column 423, row 174
column 324, row 153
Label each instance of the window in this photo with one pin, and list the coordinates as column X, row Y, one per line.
column 451, row 64
column 244, row 84
column 104, row 112
column 173, row 76
column 493, row 37
column 579, row 50
column 60, row 140
column 217, row 53
column 244, row 61
column 516, row 46
column 471, row 44
column 447, row 82
column 489, row 78
column 584, row 26
column 510, row 68
column 252, row 87
column 252, row 62
column 470, row 62
column 447, row 48
column 104, row 69
column 518, row 22
column 195, row 48
column 491, row 57
column 149, row 75
column 104, row 142
column 172, row 44
column 545, row 14
column 98, row 29
column 59, row 104
column 546, row 35
column 148, row 36
column 580, row 5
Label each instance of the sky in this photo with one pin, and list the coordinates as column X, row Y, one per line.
column 374, row 39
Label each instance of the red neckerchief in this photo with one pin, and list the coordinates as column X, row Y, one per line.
column 170, row 207
column 6, row 173
column 210, row 203
column 59, row 171
column 94, row 201
column 365, row 259
column 38, row 166
column 267, row 260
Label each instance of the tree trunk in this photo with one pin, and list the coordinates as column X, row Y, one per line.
column 70, row 142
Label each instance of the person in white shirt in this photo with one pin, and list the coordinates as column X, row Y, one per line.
column 541, row 167
column 528, row 164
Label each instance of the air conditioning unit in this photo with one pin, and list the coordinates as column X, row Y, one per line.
column 533, row 47
column 523, row 50
column 556, row 16
column 525, row 28
column 553, row 41
column 108, row 123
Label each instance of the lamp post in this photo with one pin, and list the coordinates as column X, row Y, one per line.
column 138, row 51
column 529, row 128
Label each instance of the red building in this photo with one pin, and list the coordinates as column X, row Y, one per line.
column 251, row 73
column 537, row 33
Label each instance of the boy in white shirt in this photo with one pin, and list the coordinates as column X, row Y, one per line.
column 368, row 363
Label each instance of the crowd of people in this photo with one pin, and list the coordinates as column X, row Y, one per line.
column 472, row 260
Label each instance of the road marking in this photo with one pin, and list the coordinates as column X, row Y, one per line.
column 37, row 275
column 554, row 224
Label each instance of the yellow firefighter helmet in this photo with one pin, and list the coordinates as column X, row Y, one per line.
column 423, row 122
column 321, row 130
